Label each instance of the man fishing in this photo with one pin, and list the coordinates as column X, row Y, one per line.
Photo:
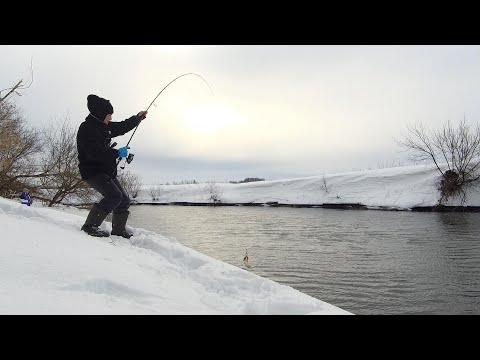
column 98, row 165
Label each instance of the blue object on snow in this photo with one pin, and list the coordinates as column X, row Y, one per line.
column 25, row 198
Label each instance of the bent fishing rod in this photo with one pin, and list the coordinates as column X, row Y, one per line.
column 130, row 156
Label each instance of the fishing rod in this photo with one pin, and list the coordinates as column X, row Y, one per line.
column 130, row 156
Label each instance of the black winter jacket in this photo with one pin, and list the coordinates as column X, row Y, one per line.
column 93, row 144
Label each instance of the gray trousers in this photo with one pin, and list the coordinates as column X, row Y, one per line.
column 114, row 196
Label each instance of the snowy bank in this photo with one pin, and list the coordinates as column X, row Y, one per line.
column 400, row 188
column 48, row 266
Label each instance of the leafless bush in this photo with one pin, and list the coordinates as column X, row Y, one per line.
column 213, row 192
column 155, row 192
column 324, row 185
column 85, row 195
column 131, row 183
column 458, row 148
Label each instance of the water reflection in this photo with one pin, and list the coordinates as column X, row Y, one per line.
column 454, row 222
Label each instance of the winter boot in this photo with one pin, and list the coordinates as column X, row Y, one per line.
column 118, row 225
column 94, row 220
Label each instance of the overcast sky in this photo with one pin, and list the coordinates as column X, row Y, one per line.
column 276, row 111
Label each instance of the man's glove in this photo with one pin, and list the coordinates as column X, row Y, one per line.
column 142, row 115
column 123, row 152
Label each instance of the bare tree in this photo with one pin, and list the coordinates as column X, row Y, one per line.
column 60, row 163
column 19, row 149
column 214, row 193
column 454, row 151
column 15, row 89
column 130, row 182
column 155, row 192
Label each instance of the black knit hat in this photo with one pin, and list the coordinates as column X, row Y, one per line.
column 99, row 107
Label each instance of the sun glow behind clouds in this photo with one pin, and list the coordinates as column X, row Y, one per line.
column 209, row 118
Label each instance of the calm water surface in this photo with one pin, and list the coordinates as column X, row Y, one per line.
column 363, row 261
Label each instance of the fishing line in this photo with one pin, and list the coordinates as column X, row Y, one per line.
column 130, row 158
column 178, row 77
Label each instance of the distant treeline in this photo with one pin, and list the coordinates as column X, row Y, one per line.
column 183, row 182
column 246, row 180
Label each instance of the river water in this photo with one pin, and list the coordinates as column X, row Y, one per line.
column 363, row 261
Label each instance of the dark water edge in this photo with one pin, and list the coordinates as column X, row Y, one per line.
column 342, row 206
